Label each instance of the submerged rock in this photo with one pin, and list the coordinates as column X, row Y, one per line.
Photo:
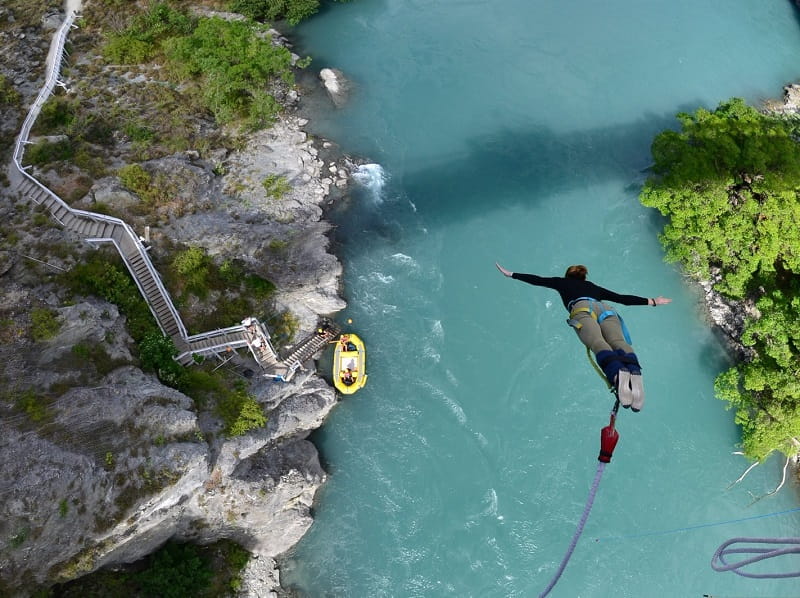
column 337, row 86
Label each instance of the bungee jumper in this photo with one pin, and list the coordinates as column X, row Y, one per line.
column 599, row 327
column 602, row 330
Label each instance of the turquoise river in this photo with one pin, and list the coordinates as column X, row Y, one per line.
column 519, row 131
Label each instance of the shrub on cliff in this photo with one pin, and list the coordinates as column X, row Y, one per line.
column 293, row 11
column 727, row 182
column 157, row 352
column 105, row 277
column 240, row 411
column 141, row 40
column 233, row 65
column 229, row 64
column 44, row 323
column 9, row 96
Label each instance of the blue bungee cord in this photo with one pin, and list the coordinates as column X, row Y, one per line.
column 600, row 467
column 608, row 440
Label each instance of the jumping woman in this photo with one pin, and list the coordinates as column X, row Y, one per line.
column 599, row 327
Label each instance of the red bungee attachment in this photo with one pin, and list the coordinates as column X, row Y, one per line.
column 608, row 440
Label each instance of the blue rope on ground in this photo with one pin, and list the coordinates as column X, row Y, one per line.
column 693, row 527
column 790, row 546
column 600, row 467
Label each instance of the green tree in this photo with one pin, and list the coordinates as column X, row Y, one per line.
column 175, row 571
column 728, row 183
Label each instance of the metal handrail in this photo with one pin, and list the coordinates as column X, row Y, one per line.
column 50, row 83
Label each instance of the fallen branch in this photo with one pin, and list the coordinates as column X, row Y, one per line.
column 779, row 486
column 741, row 477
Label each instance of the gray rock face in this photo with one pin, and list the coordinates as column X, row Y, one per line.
column 277, row 230
column 115, row 470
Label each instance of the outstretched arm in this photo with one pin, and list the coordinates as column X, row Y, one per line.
column 503, row 270
column 658, row 301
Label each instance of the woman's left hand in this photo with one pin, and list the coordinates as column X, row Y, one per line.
column 503, row 270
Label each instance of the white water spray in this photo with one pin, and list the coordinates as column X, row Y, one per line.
column 373, row 178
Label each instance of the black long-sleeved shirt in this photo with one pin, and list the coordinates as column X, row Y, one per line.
column 574, row 288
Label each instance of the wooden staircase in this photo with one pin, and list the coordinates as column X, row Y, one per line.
column 99, row 228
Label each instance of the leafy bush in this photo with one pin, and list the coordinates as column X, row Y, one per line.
column 101, row 277
column 92, row 128
column 157, row 352
column 56, row 115
column 44, row 323
column 135, row 178
column 240, row 411
column 140, row 42
column 138, row 132
column 45, row 152
column 9, row 96
column 175, row 571
column 32, row 404
column 293, row 11
column 192, row 267
column 232, row 64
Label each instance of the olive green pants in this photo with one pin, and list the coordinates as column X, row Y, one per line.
column 605, row 336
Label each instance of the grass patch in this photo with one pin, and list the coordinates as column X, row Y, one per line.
column 32, row 404
column 95, row 355
column 103, row 275
column 227, row 65
column 192, row 276
column 276, row 186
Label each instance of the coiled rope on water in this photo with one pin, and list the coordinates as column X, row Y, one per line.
column 789, row 546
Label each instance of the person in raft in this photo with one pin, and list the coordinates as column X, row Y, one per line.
column 599, row 327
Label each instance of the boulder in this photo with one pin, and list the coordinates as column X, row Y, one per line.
column 337, row 86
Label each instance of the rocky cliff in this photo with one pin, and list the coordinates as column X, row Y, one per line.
column 101, row 463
